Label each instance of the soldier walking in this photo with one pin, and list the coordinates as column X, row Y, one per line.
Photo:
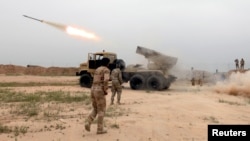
column 242, row 63
column 98, row 96
column 116, row 77
column 236, row 63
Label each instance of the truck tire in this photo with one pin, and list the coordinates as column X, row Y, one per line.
column 86, row 80
column 137, row 82
column 167, row 85
column 155, row 83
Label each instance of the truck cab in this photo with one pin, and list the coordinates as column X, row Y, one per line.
column 87, row 69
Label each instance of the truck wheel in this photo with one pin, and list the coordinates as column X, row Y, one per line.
column 137, row 82
column 155, row 83
column 86, row 80
column 167, row 85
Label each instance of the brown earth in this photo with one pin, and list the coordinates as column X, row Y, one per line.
column 181, row 113
column 37, row 70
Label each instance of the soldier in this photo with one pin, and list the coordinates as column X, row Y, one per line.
column 98, row 92
column 193, row 81
column 192, row 77
column 116, row 77
column 236, row 63
column 242, row 62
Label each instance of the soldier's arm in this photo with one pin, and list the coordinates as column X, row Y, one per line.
column 120, row 77
column 106, row 80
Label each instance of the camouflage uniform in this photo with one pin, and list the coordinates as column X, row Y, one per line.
column 116, row 77
column 98, row 92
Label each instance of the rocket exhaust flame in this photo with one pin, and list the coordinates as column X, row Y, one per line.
column 72, row 30
column 79, row 32
column 68, row 29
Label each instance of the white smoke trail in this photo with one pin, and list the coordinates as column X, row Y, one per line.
column 56, row 25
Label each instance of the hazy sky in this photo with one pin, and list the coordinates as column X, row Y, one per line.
column 204, row 34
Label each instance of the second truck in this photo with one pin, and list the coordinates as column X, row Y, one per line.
column 155, row 77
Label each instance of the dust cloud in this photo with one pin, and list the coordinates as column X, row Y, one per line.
column 237, row 84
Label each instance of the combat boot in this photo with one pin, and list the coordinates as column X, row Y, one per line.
column 87, row 126
column 101, row 131
column 88, row 122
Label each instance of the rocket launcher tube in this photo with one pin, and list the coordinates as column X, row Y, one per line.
column 158, row 59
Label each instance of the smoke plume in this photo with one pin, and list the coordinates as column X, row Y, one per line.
column 56, row 25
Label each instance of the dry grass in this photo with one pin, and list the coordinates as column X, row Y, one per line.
column 45, row 106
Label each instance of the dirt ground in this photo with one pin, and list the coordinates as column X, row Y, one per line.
column 11, row 69
column 181, row 113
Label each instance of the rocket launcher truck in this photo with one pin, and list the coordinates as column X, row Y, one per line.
column 155, row 77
